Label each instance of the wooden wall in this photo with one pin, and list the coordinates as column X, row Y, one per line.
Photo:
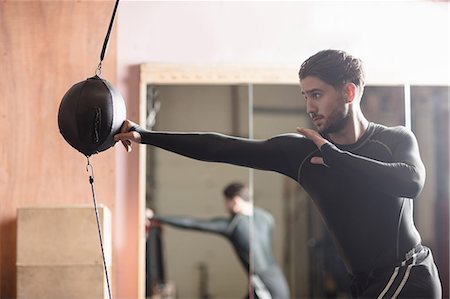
column 46, row 47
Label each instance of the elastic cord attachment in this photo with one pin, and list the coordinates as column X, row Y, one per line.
column 98, row 71
column 90, row 170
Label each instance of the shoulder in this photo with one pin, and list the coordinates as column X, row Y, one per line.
column 263, row 214
column 398, row 137
column 396, row 132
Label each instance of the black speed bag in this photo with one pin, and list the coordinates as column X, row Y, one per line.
column 90, row 114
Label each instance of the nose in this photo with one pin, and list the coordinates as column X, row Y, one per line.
column 310, row 107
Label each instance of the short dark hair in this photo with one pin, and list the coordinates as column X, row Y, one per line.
column 236, row 189
column 334, row 67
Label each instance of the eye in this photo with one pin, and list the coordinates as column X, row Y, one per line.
column 316, row 95
column 313, row 95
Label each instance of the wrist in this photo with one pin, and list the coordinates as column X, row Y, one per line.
column 322, row 143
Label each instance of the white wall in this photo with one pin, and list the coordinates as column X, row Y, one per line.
column 394, row 38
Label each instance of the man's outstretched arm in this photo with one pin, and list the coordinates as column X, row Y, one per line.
column 281, row 154
column 217, row 225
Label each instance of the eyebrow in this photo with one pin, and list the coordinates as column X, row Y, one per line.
column 311, row 91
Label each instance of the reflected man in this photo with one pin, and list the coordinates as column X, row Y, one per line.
column 247, row 228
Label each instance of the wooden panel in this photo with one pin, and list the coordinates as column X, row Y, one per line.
column 46, row 47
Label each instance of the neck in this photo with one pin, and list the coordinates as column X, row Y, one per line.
column 246, row 209
column 353, row 129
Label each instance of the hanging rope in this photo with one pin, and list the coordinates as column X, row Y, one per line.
column 90, row 170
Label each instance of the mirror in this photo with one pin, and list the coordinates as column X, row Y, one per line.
column 191, row 99
column 197, row 264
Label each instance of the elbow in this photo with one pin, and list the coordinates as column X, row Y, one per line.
column 212, row 155
column 415, row 185
column 414, row 189
column 213, row 149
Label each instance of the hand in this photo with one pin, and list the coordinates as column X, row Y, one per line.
column 127, row 137
column 148, row 219
column 313, row 135
column 149, row 213
column 318, row 140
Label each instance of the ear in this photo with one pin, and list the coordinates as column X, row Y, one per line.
column 237, row 200
column 350, row 91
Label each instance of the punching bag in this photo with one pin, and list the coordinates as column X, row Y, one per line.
column 92, row 111
column 90, row 114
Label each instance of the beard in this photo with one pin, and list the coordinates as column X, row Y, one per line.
column 337, row 123
column 337, row 120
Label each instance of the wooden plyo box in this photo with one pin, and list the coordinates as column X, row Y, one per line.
column 58, row 252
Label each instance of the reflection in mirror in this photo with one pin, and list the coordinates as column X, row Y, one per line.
column 185, row 193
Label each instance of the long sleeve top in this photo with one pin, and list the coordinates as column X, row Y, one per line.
column 364, row 193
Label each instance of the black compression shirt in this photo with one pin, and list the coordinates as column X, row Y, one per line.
column 237, row 230
column 364, row 193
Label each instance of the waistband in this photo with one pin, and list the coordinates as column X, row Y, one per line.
column 361, row 281
column 417, row 249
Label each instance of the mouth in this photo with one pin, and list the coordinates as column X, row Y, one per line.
column 316, row 118
column 318, row 122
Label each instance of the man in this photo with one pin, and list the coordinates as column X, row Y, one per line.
column 362, row 176
column 267, row 280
